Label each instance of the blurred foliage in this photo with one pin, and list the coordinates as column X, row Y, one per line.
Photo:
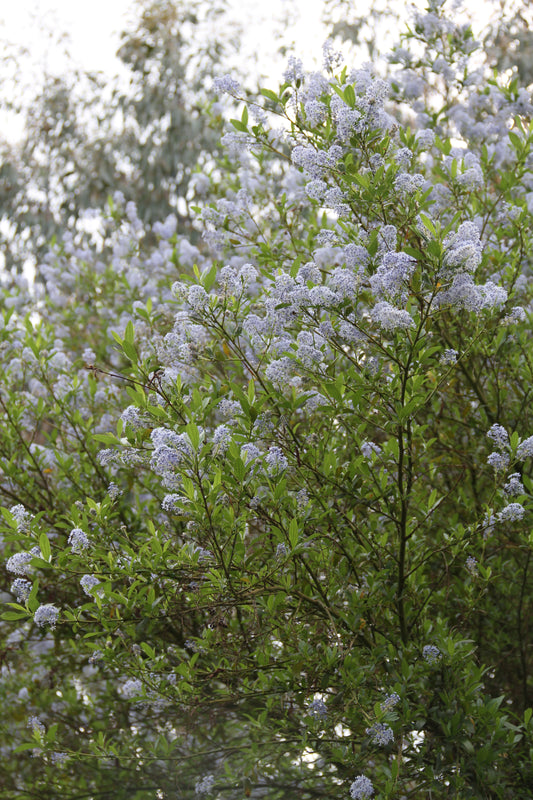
column 504, row 26
column 508, row 42
column 85, row 136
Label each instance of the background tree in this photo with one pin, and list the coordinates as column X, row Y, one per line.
column 86, row 137
column 504, row 28
column 509, row 41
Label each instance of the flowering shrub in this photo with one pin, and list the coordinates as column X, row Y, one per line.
column 258, row 538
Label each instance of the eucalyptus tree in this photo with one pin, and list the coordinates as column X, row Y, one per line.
column 86, row 136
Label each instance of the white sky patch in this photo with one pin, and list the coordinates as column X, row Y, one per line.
column 281, row 22
column 93, row 29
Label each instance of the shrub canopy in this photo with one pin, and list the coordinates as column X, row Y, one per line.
column 266, row 495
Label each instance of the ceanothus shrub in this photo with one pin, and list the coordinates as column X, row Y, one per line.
column 293, row 560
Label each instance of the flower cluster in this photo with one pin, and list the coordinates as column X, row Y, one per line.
column 46, row 615
column 19, row 563
column 380, row 734
column 318, row 709
column 499, row 436
column 513, row 512
column 205, row 785
column 21, row 588
column 390, row 701
column 525, row 449
column 78, row 540
column 431, row 653
column 514, row 486
column 471, row 565
column 89, row 584
column 361, row 788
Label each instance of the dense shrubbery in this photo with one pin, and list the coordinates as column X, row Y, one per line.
column 266, row 524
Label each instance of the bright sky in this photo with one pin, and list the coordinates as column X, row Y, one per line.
column 94, row 27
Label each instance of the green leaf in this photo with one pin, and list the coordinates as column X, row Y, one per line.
column 150, row 652
column 294, row 533
column 129, row 333
column 40, row 563
column 106, row 438
column 270, row 95
column 11, row 616
column 32, row 603
column 193, row 434
column 428, row 223
column 7, row 515
column 209, row 277
column 24, row 747
column 238, row 125
column 130, row 351
column 251, row 391
column 44, row 544
column 515, row 141
column 51, row 733
column 349, row 95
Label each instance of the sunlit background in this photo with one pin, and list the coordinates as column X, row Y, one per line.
column 50, row 34
column 93, row 29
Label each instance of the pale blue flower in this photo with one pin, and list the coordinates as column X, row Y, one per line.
column 78, row 540
column 431, row 653
column 499, row 461
column 525, row 449
column 390, row 701
column 380, row 734
column 318, row 709
column 205, row 785
column 390, row 318
column 132, row 688
column 225, row 84
column 499, row 436
column 471, row 565
column 449, row 357
column 46, row 615
column 370, row 449
column 276, row 461
column 514, row 486
column 19, row 563
column 21, row 588
column 514, row 512
column 89, row 583
column 361, row 788
column 36, row 726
